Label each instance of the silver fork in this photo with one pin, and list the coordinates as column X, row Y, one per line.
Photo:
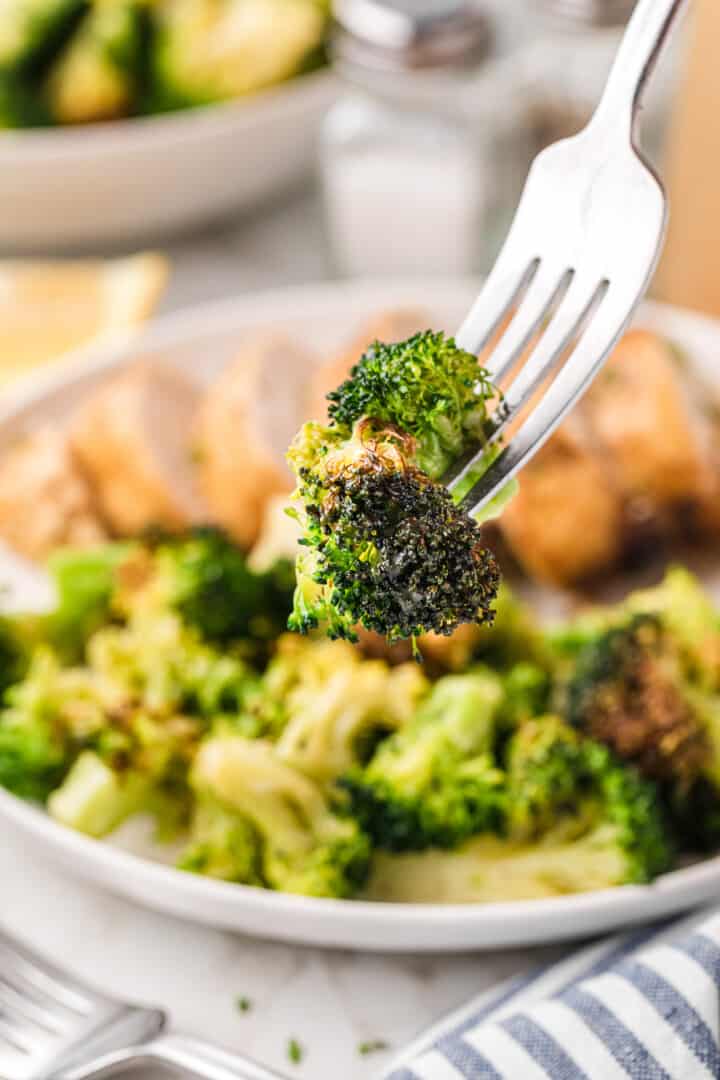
column 578, row 258
column 54, row 1027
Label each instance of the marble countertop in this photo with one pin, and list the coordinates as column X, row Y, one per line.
column 329, row 1001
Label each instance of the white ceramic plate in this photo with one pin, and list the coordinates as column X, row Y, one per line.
column 125, row 181
column 201, row 342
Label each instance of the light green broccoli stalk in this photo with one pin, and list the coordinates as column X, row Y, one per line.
column 306, row 847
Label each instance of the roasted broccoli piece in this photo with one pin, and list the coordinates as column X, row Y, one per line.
column 426, row 387
column 644, row 681
column 223, row 844
column 36, row 748
column 306, row 848
column 207, row 51
column 552, row 774
column 33, row 32
column 327, row 707
column 385, row 546
column 101, row 72
column 513, row 638
column 85, row 583
column 160, row 664
column 206, row 580
column 577, row 820
column 435, row 783
column 629, row 691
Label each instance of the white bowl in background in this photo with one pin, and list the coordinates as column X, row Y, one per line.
column 201, row 342
column 132, row 179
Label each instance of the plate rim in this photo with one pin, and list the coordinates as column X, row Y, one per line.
column 370, row 925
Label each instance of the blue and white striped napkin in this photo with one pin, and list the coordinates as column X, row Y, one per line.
column 644, row 1006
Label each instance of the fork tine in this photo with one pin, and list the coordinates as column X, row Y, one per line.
column 503, row 289
column 41, row 980
column 14, row 1001
column 15, row 1039
column 541, row 300
column 587, row 358
column 571, row 320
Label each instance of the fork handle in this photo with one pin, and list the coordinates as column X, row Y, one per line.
column 641, row 46
column 206, row 1062
column 192, row 1056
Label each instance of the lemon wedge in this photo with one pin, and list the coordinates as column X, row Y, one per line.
column 48, row 309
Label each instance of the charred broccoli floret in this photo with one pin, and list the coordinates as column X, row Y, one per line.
column 645, row 682
column 305, row 846
column 386, row 546
column 434, row 783
column 629, row 691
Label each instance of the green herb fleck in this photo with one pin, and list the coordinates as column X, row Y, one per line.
column 243, row 1004
column 372, row 1046
column 294, row 1051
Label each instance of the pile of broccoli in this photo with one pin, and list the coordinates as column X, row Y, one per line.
column 516, row 763
column 77, row 61
column 385, row 545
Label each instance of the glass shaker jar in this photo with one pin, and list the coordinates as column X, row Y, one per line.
column 402, row 159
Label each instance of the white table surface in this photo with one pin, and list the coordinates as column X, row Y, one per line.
column 330, row 1001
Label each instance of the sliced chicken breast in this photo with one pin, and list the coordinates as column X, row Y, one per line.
column 388, row 327
column 132, row 439
column 246, row 423
column 45, row 501
column 566, row 521
column 641, row 412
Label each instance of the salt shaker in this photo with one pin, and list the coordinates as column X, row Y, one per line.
column 403, row 159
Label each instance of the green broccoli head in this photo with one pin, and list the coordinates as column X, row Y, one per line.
column 85, row 582
column 37, row 742
column 386, row 547
column 327, row 707
column 434, row 782
column 428, row 388
column 101, row 73
column 554, row 774
column 306, row 848
column 577, row 820
column 629, row 690
column 205, row 578
column 223, row 844
column 208, row 51
column 33, row 32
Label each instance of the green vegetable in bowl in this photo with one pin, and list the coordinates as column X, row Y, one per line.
column 211, row 50
column 79, row 61
column 327, row 707
column 305, row 847
column 103, row 71
column 435, row 782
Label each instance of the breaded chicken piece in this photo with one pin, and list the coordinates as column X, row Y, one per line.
column 45, row 501
column 388, row 327
column 641, row 413
column 245, row 425
column 132, row 439
column 566, row 521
